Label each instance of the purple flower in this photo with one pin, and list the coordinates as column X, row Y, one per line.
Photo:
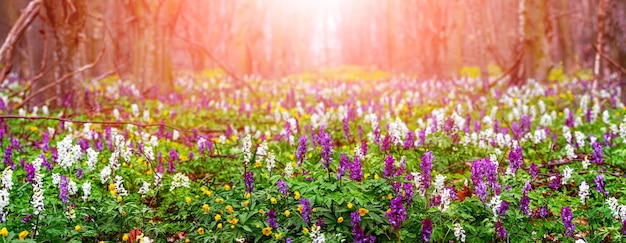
column 271, row 219
column 79, row 174
column 408, row 192
column 63, row 192
column 597, row 153
column 356, row 218
column 624, row 227
column 386, row 143
column 555, row 182
column 389, row 167
column 566, row 216
column 346, row 129
column 364, row 147
column 173, row 158
column 397, row 213
column 503, row 207
column 534, row 171
column 301, row 151
column 515, row 159
column 327, row 148
column 600, row 184
column 26, row 218
column 248, row 178
column 288, row 240
column 344, row 163
column 481, row 191
column 524, row 203
column 427, row 166
column 30, row 172
column 355, row 170
column 409, row 142
column 306, row 209
column 427, row 229
column 282, row 186
column 500, row 230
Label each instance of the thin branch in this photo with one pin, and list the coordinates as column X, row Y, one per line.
column 20, row 26
column 608, row 59
column 142, row 125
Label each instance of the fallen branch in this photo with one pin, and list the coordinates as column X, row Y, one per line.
column 608, row 59
column 106, row 123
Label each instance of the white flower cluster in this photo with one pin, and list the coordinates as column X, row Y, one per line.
column 179, row 180
column 86, row 190
column 567, row 175
column 569, row 151
column 495, row 204
column 271, row 161
column 144, row 189
column 397, row 131
column 445, row 199
column 288, row 170
column 7, row 178
column 158, row 176
column 567, row 134
column 119, row 186
column 246, row 147
column 316, row 235
column 72, row 188
column 583, row 192
column 417, row 181
column 68, row 152
column 459, row 232
column 619, row 211
column 4, row 201
column 261, row 151
column 38, row 194
column 92, row 158
column 439, row 184
column 580, row 138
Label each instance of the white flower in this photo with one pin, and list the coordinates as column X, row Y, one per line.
column 583, row 191
column 316, row 235
column 445, row 200
column 417, row 181
column 119, row 186
column 92, row 158
column 72, row 188
column 459, row 232
column 116, row 114
column 45, row 110
column 7, row 178
column 4, row 201
column 567, row 134
column 580, row 138
column 261, row 151
column 569, row 151
column 246, row 146
column 146, row 115
column 397, row 131
column 567, row 175
column 605, row 117
column 86, row 190
column 614, row 207
column 585, row 163
column 271, row 161
column 439, row 183
column 495, row 204
column 288, row 170
column 37, row 200
column 158, row 176
column 580, row 241
column 56, row 179
column 358, row 152
column 144, row 189
column 105, row 174
column 68, row 153
column 175, row 135
column 134, row 109
column 179, row 180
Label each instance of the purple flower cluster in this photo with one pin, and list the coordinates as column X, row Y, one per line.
column 271, row 219
column 63, row 190
column 500, row 230
column 427, row 167
column 173, row 158
column 301, row 151
column 427, row 229
column 397, row 213
column 534, row 170
column 600, row 185
column 524, row 203
column 248, row 178
column 326, row 141
column 357, row 233
column 515, row 159
column 566, row 216
column 344, row 163
column 356, row 173
column 389, row 166
column 346, row 129
column 282, row 186
column 483, row 173
column 597, row 153
column 30, row 172
column 306, row 209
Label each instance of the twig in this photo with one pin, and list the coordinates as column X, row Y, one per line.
column 611, row 61
column 22, row 23
column 104, row 122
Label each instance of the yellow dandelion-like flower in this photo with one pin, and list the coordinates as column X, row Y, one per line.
column 206, row 208
column 376, row 176
column 261, row 211
column 125, row 237
column 246, row 203
column 350, row 205
column 219, row 226
column 23, row 235
column 232, row 226
column 267, row 231
column 273, row 200
column 230, row 209
column 287, row 213
column 188, row 199
column 119, row 198
column 77, row 227
column 200, row 230
column 339, row 220
column 297, row 195
column 227, row 187
column 278, row 235
column 218, row 217
column 363, row 211
column 305, row 230
column 389, row 196
column 258, row 164
column 4, row 232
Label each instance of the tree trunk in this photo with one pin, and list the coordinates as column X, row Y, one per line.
column 537, row 59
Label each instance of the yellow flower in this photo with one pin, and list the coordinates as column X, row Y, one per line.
column 232, row 226
column 376, row 176
column 23, row 235
column 247, row 195
column 125, row 237
column 111, row 187
column 197, row 196
column 187, row 240
column 297, row 195
column 267, row 231
column 258, row 164
column 363, row 211
column 32, row 129
column 261, row 211
column 233, row 221
column 206, row 208
column 230, row 209
column 113, row 192
column 350, row 205
column 200, row 231
column 287, row 213
column 119, row 198
column 389, row 196
column 123, row 213
column 278, row 235
column 300, row 208
column 273, row 200
column 314, row 210
column 77, row 227
column 4, row 232
column 339, row 220
column 366, row 176
column 305, row 230
column 219, row 226
column 227, row 187
column 246, row 203
column 218, row 217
